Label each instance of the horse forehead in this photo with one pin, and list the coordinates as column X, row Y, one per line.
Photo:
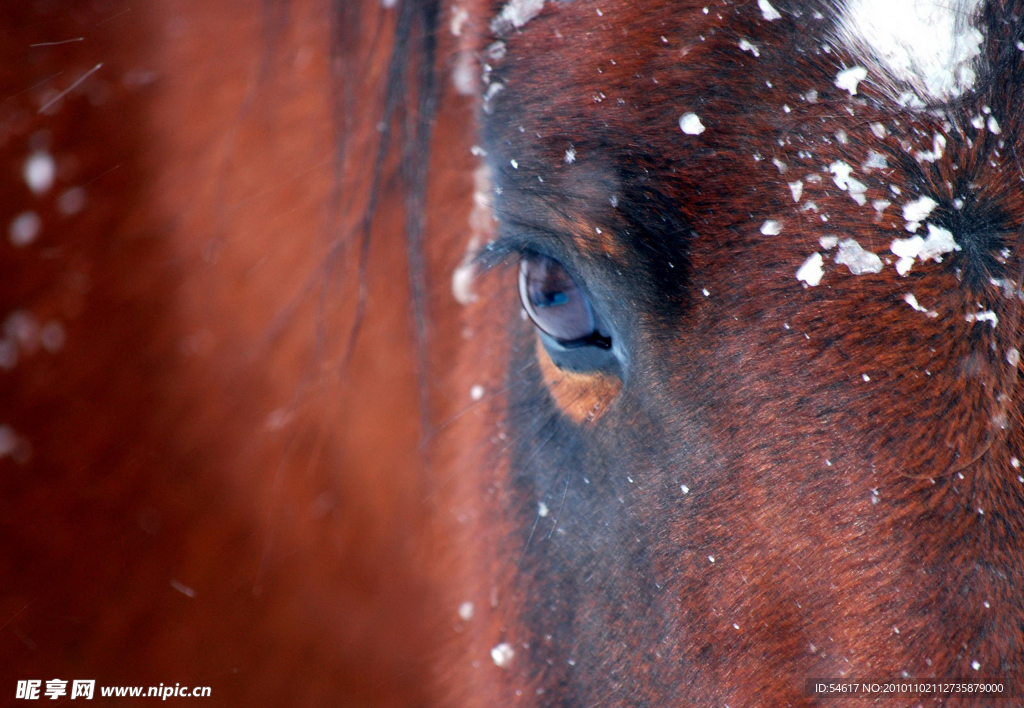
column 621, row 44
column 633, row 75
column 702, row 103
column 921, row 51
column 588, row 99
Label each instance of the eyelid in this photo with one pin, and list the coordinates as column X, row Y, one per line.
column 516, row 244
column 513, row 247
column 496, row 253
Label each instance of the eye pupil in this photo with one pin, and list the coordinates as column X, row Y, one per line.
column 553, row 300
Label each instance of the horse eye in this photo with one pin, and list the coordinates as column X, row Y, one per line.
column 553, row 301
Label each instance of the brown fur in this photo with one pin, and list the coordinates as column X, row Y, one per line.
column 203, row 426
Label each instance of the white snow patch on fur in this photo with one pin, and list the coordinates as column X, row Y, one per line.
column 811, row 271
column 858, row 260
column 502, row 655
column 847, row 79
column 39, row 172
column 917, row 211
column 749, row 47
column 465, row 75
column 986, row 316
column 930, row 47
column 841, row 176
column 690, row 124
column 939, row 242
column 874, row 161
column 912, row 301
column 481, row 227
column 769, row 12
column 938, row 147
column 515, row 14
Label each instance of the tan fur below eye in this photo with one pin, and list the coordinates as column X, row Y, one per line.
column 581, row 397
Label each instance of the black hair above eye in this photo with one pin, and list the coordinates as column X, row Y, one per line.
column 555, row 303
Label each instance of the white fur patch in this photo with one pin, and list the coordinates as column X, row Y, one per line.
column 929, row 48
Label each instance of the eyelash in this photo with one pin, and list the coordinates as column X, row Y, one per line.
column 505, row 250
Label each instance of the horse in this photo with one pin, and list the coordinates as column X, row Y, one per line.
column 513, row 353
